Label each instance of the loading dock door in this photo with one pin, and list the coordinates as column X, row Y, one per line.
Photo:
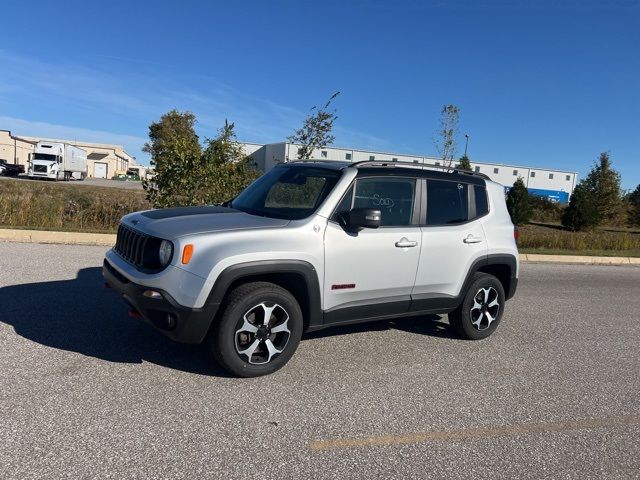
column 100, row 170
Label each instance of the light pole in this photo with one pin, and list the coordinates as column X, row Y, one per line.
column 466, row 143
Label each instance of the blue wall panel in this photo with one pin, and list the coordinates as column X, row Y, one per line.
column 555, row 195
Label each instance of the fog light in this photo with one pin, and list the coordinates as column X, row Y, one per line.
column 152, row 294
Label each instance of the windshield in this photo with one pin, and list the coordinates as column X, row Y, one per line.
column 291, row 193
column 44, row 156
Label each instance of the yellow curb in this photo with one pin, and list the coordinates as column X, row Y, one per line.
column 580, row 260
column 67, row 238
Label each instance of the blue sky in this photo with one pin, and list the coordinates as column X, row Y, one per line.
column 538, row 83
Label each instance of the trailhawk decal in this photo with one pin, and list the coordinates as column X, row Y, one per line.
column 342, row 286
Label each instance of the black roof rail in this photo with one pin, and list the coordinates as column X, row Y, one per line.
column 385, row 163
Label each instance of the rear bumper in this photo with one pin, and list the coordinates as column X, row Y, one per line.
column 182, row 324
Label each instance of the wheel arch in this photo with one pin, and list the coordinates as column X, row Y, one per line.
column 297, row 276
column 503, row 267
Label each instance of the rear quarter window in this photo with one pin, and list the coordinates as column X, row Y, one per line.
column 482, row 202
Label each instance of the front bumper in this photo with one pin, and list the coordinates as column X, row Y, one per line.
column 182, row 324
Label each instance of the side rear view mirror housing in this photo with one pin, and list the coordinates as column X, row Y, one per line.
column 364, row 218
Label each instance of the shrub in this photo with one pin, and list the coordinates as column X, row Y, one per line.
column 582, row 212
column 545, row 210
column 185, row 174
column 633, row 200
column 519, row 203
column 464, row 163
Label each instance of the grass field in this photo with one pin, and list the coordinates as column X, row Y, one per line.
column 553, row 239
column 66, row 206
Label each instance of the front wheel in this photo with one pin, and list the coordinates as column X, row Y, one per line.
column 480, row 312
column 258, row 331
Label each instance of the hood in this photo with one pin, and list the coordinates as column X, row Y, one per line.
column 170, row 223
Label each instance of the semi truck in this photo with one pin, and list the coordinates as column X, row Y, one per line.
column 58, row 161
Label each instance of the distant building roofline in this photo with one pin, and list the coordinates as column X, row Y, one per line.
column 428, row 157
column 71, row 142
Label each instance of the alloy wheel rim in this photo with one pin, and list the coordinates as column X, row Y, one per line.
column 485, row 308
column 263, row 333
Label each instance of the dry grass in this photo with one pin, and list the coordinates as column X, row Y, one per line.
column 554, row 238
column 65, row 206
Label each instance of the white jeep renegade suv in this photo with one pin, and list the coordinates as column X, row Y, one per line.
column 316, row 244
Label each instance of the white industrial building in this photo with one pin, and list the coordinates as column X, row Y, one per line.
column 554, row 184
column 103, row 160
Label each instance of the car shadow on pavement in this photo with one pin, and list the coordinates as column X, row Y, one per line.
column 79, row 315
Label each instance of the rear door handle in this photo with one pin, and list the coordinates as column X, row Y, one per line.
column 404, row 243
column 472, row 239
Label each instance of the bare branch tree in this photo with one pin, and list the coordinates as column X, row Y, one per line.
column 316, row 130
column 445, row 144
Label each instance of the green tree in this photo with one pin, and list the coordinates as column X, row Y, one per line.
column 603, row 182
column 634, row 202
column 582, row 212
column 316, row 130
column 519, row 203
column 185, row 174
column 445, row 144
column 465, row 163
column 175, row 149
column 226, row 170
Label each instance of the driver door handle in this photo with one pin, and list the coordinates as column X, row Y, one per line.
column 404, row 243
column 472, row 239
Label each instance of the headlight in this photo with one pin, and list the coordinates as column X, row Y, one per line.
column 165, row 253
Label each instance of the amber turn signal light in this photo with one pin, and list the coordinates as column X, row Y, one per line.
column 187, row 253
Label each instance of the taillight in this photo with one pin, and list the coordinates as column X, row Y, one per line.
column 516, row 233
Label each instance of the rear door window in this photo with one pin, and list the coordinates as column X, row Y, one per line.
column 447, row 202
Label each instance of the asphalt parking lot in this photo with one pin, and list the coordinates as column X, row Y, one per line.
column 86, row 392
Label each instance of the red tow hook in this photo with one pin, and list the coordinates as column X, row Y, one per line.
column 134, row 313
column 106, row 285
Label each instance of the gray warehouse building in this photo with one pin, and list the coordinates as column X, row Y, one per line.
column 556, row 185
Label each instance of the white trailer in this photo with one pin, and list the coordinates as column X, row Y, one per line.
column 58, row 161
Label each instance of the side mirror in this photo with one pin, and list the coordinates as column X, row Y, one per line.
column 364, row 218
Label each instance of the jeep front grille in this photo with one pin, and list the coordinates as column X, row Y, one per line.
column 131, row 244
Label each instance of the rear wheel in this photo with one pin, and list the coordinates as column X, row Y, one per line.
column 481, row 310
column 258, row 331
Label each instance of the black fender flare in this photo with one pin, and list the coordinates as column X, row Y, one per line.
column 501, row 259
column 259, row 268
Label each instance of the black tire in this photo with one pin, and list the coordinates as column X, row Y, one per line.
column 471, row 322
column 251, row 301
